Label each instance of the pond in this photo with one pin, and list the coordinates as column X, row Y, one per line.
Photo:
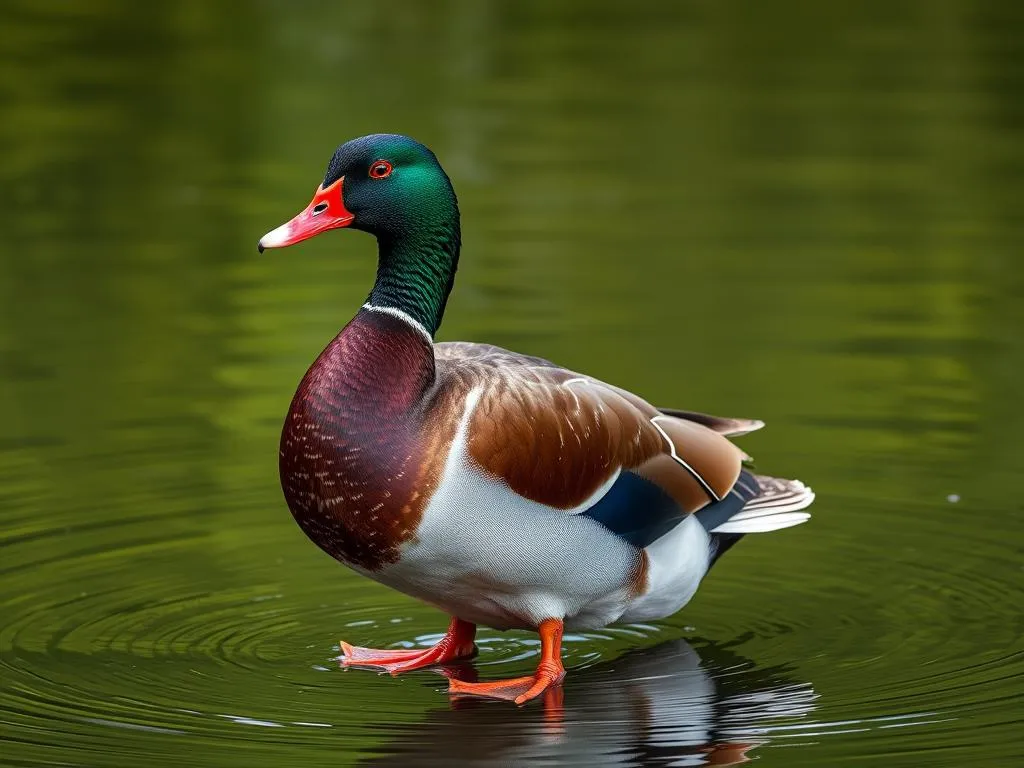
column 801, row 213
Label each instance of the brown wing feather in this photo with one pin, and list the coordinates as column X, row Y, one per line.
column 556, row 437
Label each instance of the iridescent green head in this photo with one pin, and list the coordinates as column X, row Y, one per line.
column 392, row 187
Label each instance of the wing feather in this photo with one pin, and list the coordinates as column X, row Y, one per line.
column 720, row 424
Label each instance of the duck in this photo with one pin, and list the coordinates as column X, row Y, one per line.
column 501, row 488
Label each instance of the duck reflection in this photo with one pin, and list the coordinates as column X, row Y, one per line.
column 666, row 705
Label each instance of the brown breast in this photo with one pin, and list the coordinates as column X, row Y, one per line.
column 352, row 448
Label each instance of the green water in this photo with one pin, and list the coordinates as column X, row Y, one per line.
column 807, row 213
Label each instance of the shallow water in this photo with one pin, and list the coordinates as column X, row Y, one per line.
column 808, row 216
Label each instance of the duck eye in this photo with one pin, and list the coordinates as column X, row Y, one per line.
column 380, row 169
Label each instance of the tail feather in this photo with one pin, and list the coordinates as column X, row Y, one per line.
column 779, row 504
column 756, row 504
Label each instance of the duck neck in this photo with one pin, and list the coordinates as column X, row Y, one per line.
column 415, row 272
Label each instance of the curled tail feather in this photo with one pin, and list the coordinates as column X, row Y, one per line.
column 756, row 504
column 779, row 504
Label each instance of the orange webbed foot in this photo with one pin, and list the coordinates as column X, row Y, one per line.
column 517, row 689
column 549, row 674
column 457, row 643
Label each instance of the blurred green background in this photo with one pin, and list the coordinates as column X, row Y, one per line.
column 804, row 212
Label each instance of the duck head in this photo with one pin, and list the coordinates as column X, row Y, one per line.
column 385, row 184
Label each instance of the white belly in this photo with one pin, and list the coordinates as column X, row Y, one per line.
column 490, row 560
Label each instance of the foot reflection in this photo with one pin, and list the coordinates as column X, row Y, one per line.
column 666, row 705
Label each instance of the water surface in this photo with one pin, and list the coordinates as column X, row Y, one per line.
column 805, row 214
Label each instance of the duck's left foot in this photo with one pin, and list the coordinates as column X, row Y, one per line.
column 549, row 674
column 457, row 643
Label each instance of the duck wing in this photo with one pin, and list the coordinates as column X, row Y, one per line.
column 579, row 445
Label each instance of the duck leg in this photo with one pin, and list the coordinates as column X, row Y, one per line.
column 550, row 672
column 457, row 643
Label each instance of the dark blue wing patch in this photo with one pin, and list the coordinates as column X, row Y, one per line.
column 637, row 510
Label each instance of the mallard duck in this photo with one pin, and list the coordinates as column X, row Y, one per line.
column 499, row 487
